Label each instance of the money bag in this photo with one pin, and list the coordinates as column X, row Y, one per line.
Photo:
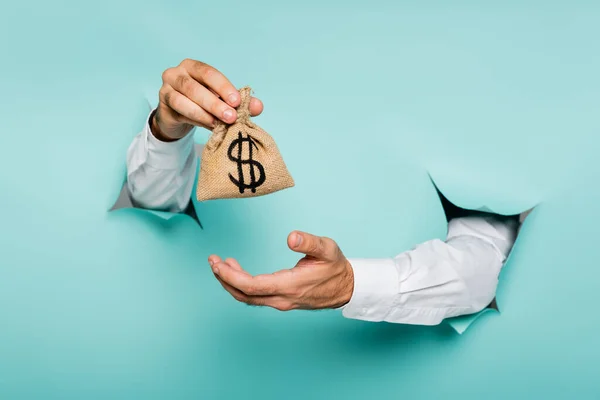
column 241, row 160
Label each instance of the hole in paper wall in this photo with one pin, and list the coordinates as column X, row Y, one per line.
column 452, row 211
column 125, row 201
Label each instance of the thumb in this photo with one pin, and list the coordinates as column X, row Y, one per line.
column 256, row 107
column 311, row 245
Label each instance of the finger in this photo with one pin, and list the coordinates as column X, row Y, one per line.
column 214, row 259
column 178, row 118
column 237, row 294
column 187, row 108
column 277, row 302
column 315, row 246
column 260, row 285
column 214, row 80
column 170, row 117
column 202, row 96
column 256, row 107
column 188, row 121
column 235, row 265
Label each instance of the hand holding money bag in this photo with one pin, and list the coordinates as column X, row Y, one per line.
column 241, row 160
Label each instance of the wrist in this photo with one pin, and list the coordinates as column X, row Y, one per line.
column 347, row 285
column 156, row 131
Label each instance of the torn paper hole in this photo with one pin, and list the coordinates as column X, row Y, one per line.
column 462, row 323
column 124, row 201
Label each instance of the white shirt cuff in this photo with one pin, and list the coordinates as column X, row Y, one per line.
column 166, row 155
column 375, row 286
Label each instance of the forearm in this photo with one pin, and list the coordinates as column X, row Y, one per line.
column 435, row 280
column 160, row 175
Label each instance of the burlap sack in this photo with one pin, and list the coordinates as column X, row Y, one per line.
column 241, row 160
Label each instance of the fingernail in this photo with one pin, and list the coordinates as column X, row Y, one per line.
column 211, row 262
column 232, row 98
column 228, row 114
column 298, row 240
column 216, row 270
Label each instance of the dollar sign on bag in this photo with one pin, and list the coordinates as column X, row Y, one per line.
column 253, row 182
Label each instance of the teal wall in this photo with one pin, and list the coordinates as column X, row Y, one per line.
column 498, row 101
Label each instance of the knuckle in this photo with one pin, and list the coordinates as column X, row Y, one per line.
column 251, row 290
column 207, row 72
column 240, row 298
column 168, row 96
column 317, row 245
column 208, row 121
column 184, row 83
column 329, row 246
column 162, row 93
column 167, row 74
column 237, row 295
column 189, row 63
column 268, row 289
column 215, row 107
column 337, row 252
column 284, row 307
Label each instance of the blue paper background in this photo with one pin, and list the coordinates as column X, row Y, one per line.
column 498, row 101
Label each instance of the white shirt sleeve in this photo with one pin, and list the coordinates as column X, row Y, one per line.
column 160, row 175
column 435, row 280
